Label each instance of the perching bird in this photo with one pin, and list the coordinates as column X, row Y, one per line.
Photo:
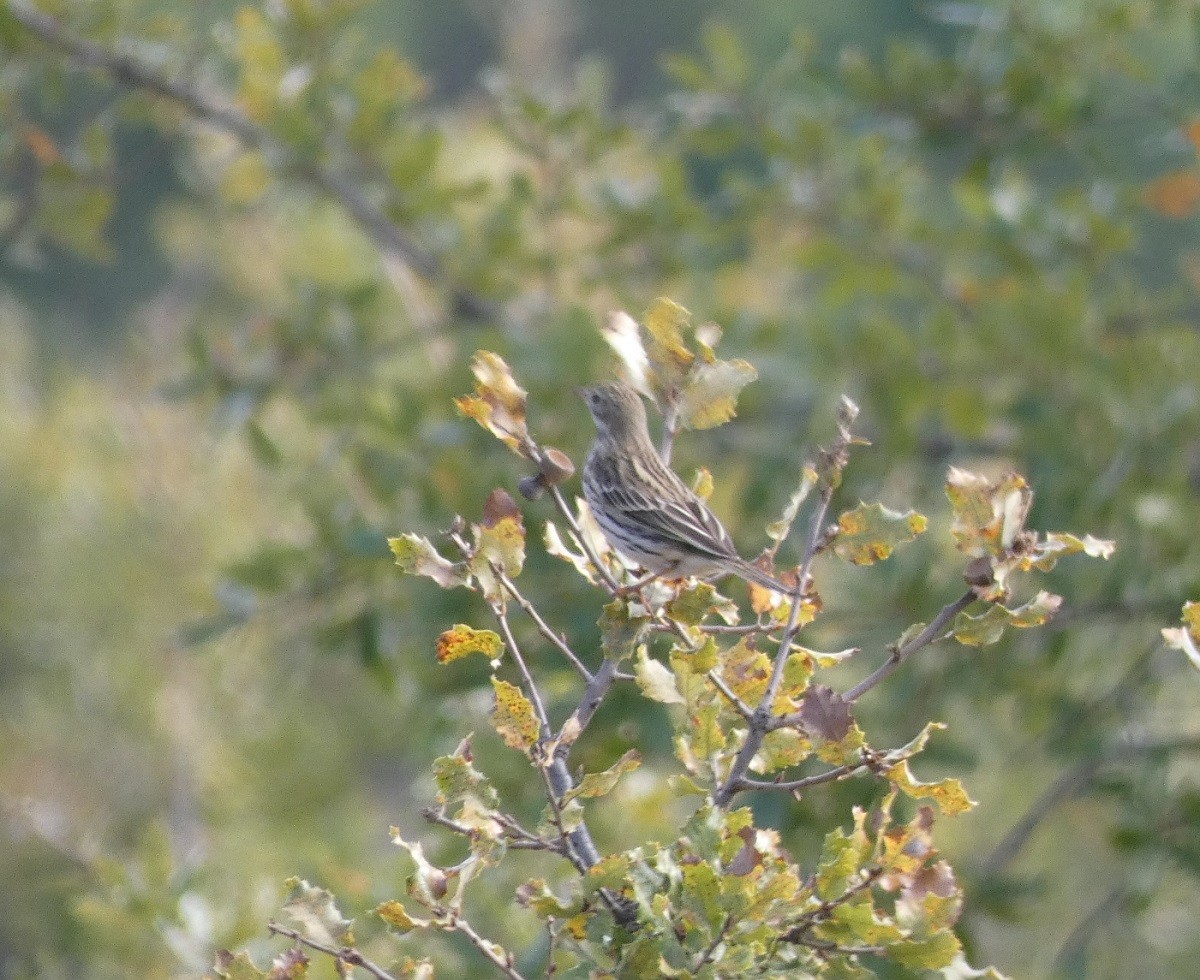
column 646, row 512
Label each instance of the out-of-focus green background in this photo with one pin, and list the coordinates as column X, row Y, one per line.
column 218, row 396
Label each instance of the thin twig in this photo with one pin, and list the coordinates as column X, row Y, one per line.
column 531, row 688
column 1070, row 784
column 739, row 705
column 581, row 540
column 343, row 954
column 900, row 654
column 488, row 949
column 543, row 626
column 791, row 785
column 133, row 73
column 1076, row 943
column 760, row 720
column 595, row 692
column 707, row 955
column 516, row 836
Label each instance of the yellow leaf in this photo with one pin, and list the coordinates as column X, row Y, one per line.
column 462, row 641
column 948, row 794
column 668, row 353
column 498, row 403
column 513, row 717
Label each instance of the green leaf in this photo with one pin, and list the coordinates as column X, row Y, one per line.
column 934, row 953
column 416, row 556
column 619, row 631
column 457, row 778
column 602, row 783
column 948, row 794
column 870, row 532
column 988, row 627
column 396, row 916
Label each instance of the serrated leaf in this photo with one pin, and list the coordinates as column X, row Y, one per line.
column 396, row 916
column 416, row 556
column 949, row 794
column 710, row 394
column 988, row 514
column 602, row 783
column 463, row 640
column 655, row 680
column 315, row 912
column 513, row 716
column 668, row 353
column 746, row 671
column 692, row 606
column 871, row 532
column 498, row 403
column 620, row 631
column 457, row 778
column 988, row 627
column 934, row 953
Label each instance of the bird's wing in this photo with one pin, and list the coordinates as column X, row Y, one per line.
column 663, row 506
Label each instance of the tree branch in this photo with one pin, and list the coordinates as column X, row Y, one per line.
column 829, row 776
column 900, row 654
column 132, row 73
column 343, row 954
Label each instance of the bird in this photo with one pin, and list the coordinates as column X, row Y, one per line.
column 645, row 510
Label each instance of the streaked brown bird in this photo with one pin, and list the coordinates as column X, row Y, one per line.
column 646, row 512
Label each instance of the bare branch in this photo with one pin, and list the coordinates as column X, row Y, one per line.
column 544, row 627
column 739, row 705
column 493, row 951
column 516, row 836
column 133, row 73
column 510, row 641
column 792, row 785
column 343, row 954
column 1069, row 785
column 899, row 654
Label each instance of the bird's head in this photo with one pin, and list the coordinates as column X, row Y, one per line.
column 617, row 409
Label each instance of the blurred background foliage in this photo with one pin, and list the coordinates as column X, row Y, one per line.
column 229, row 354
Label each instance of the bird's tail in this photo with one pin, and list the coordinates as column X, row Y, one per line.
column 752, row 573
